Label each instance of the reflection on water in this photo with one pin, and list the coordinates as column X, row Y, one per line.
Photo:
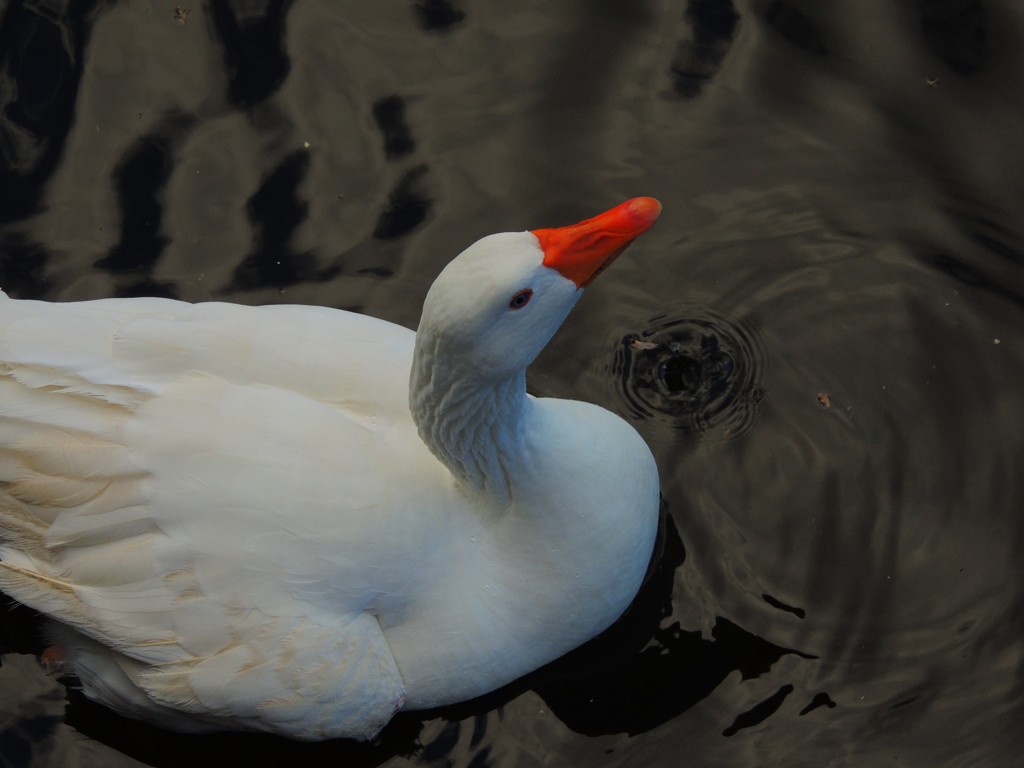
column 820, row 339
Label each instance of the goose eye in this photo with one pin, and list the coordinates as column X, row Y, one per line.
column 521, row 299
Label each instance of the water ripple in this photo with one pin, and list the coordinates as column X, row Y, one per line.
column 697, row 372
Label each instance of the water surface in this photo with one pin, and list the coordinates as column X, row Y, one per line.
column 820, row 340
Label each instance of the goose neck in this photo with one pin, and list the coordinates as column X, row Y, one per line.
column 473, row 424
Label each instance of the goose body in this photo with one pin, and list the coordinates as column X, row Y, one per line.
column 303, row 520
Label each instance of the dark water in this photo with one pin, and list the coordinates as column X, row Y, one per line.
column 821, row 339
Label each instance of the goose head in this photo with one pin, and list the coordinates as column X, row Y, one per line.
column 498, row 303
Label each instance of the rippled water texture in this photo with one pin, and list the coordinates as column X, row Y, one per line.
column 821, row 339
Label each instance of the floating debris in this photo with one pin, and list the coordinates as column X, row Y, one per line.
column 636, row 343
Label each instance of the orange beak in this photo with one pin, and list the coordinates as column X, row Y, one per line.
column 580, row 252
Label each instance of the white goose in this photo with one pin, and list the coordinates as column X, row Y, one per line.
column 302, row 520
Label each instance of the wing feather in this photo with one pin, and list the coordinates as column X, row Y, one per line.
column 177, row 483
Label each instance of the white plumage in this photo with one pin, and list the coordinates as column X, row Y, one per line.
column 301, row 520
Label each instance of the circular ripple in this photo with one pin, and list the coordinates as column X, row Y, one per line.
column 699, row 374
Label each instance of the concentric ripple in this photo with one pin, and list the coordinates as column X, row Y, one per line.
column 696, row 373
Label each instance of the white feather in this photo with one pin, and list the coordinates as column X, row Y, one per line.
column 239, row 523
